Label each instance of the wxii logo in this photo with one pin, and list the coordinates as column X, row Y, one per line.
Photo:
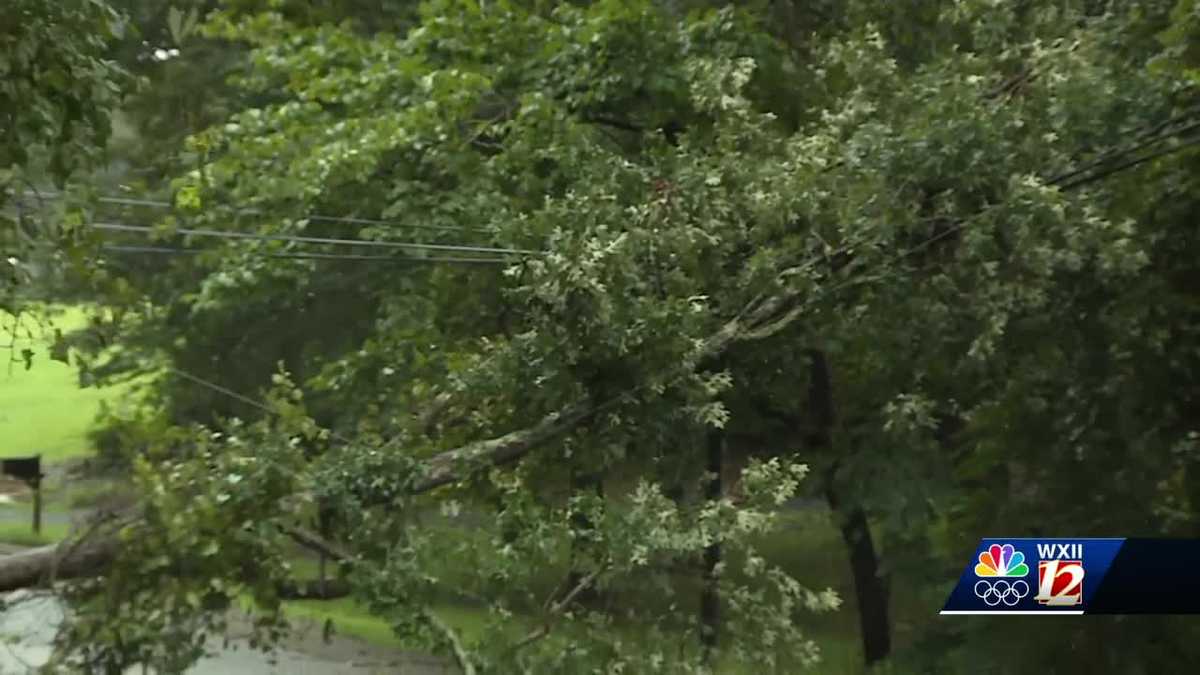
column 1060, row 575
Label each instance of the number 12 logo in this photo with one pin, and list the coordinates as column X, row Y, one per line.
column 1060, row 583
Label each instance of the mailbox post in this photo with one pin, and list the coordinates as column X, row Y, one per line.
column 36, row 484
column 29, row 471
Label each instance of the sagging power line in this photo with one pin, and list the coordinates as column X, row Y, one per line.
column 166, row 250
column 146, row 229
column 349, row 220
column 670, row 375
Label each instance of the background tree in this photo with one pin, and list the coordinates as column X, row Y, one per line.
column 57, row 93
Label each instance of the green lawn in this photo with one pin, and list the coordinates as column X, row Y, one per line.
column 348, row 617
column 43, row 410
column 21, row 534
column 807, row 545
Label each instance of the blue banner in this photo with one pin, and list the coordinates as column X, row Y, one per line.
column 1080, row 576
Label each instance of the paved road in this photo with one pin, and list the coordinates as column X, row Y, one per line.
column 29, row 622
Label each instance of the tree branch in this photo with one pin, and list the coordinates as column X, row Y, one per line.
column 74, row 557
column 613, row 122
column 456, row 646
column 429, row 418
column 91, row 554
column 315, row 542
column 555, row 609
column 335, row 551
column 452, row 466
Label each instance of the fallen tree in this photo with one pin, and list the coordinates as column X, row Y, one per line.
column 94, row 547
column 83, row 554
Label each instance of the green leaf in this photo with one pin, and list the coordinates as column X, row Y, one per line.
column 175, row 24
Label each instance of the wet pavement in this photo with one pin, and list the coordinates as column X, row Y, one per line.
column 29, row 621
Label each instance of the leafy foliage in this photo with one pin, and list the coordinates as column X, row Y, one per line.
column 57, row 94
column 975, row 212
column 58, row 91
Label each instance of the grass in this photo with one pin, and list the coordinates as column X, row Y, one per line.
column 43, row 411
column 22, row 534
column 807, row 545
column 348, row 617
column 352, row 618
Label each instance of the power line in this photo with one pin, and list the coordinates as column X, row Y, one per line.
column 681, row 370
column 222, row 390
column 164, row 250
column 1100, row 175
column 146, row 229
column 673, row 372
column 1142, row 142
column 160, row 204
column 244, row 399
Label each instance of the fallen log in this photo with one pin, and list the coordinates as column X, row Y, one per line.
column 85, row 555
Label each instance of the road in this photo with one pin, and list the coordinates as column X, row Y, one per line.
column 29, row 621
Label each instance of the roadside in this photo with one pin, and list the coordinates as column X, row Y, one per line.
column 30, row 620
column 66, row 500
column 44, row 411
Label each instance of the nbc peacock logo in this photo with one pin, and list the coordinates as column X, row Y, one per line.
column 1001, row 561
column 1001, row 569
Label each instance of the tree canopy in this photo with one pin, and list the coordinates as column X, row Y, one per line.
column 57, row 95
column 579, row 294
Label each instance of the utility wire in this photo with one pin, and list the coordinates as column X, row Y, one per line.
column 146, row 229
column 1142, row 143
column 244, row 399
column 164, row 250
column 672, row 372
column 159, row 204
column 222, row 390
column 1100, row 175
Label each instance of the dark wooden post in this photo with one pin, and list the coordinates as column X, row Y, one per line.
column 36, row 483
column 29, row 471
column 591, row 482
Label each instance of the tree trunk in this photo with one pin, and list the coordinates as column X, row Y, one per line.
column 325, row 518
column 46, row 564
column 870, row 588
column 1191, row 488
column 582, row 524
column 710, row 597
